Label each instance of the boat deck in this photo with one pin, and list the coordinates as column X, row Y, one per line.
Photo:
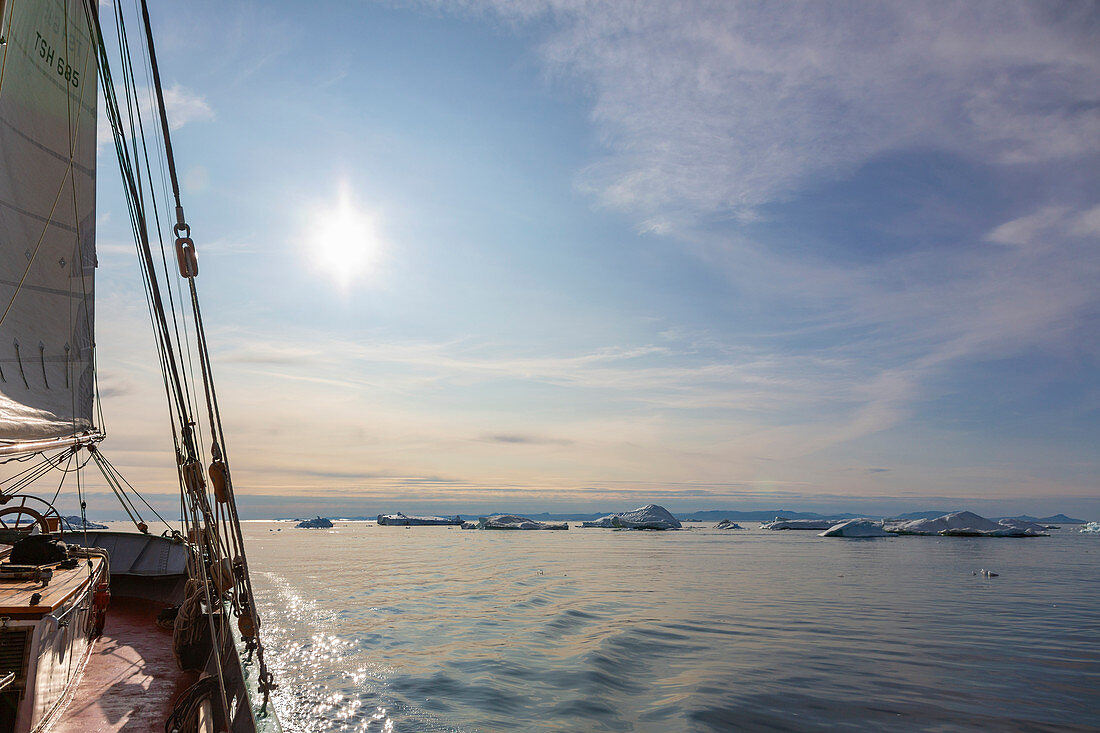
column 16, row 595
column 131, row 679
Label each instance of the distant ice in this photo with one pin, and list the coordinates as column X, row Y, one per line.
column 74, row 524
column 728, row 524
column 966, row 524
column 601, row 523
column 781, row 523
column 1022, row 524
column 649, row 516
column 511, row 521
column 402, row 520
column 857, row 528
column 318, row 523
column 1091, row 527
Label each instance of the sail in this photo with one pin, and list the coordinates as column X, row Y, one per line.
column 47, row 221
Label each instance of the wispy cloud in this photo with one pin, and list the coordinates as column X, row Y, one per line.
column 185, row 106
column 714, row 117
column 512, row 439
column 719, row 107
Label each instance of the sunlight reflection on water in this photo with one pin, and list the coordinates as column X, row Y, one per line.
column 384, row 628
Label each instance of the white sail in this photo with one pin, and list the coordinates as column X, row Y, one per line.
column 47, row 221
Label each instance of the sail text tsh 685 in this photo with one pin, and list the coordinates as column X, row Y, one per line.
column 47, row 221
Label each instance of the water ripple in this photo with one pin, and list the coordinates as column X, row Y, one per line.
column 386, row 629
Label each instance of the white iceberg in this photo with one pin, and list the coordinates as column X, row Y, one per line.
column 74, row 524
column 511, row 521
column 962, row 524
column 602, row 523
column 401, row 520
column 1093, row 527
column 649, row 516
column 1022, row 524
column 856, row 528
column 728, row 524
column 469, row 525
column 783, row 523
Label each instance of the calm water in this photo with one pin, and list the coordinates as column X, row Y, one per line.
column 434, row 628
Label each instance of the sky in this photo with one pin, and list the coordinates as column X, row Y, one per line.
column 576, row 255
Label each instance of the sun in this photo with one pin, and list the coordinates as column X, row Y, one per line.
column 344, row 243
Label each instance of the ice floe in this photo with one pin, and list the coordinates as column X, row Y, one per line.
column 856, row 528
column 1091, row 527
column 75, row 523
column 728, row 524
column 963, row 524
column 1022, row 524
column 783, row 523
column 601, row 523
column 400, row 519
column 318, row 523
column 511, row 521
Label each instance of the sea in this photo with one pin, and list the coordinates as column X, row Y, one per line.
column 377, row 628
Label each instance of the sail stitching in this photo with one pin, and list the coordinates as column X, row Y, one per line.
column 78, row 258
column 39, row 217
column 37, row 246
column 49, row 151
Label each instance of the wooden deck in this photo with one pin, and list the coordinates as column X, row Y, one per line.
column 15, row 595
column 131, row 679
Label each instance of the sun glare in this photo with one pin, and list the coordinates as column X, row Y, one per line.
column 344, row 243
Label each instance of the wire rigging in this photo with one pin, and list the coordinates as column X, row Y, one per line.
column 217, row 562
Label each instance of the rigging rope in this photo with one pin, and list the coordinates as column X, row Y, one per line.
column 213, row 523
column 184, row 245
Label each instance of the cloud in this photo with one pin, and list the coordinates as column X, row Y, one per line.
column 114, row 385
column 511, row 439
column 196, row 179
column 184, row 106
column 267, row 352
column 1088, row 223
column 1027, row 229
column 716, row 108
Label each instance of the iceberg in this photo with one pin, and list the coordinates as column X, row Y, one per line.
column 75, row 524
column 856, row 528
column 963, row 524
column 1015, row 523
column 649, row 516
column 318, row 523
column 1092, row 527
column 783, row 523
column 401, row 520
column 603, row 522
column 511, row 521
column 728, row 524
column 469, row 525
